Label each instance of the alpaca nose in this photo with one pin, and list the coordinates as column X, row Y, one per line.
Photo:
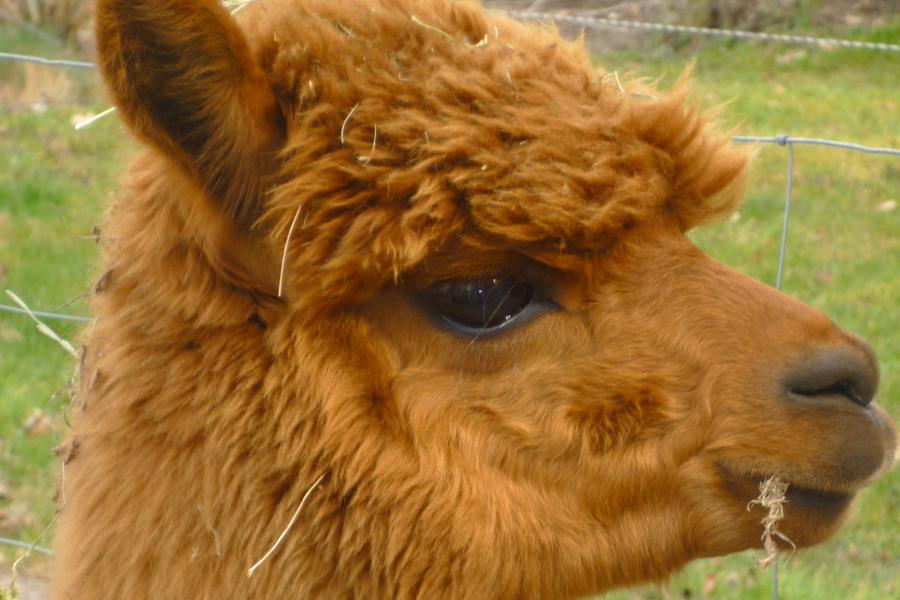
column 850, row 372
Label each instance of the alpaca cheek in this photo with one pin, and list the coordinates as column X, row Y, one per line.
column 616, row 422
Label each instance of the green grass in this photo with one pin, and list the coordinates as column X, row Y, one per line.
column 843, row 255
column 52, row 185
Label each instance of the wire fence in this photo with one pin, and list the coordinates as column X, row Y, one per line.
column 786, row 141
column 46, row 61
column 782, row 140
column 602, row 22
column 44, row 315
column 789, row 142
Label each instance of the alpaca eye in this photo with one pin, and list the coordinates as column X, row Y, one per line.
column 481, row 304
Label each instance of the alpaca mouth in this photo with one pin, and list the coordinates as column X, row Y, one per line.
column 745, row 486
column 817, row 499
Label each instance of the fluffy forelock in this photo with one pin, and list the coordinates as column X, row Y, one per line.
column 411, row 124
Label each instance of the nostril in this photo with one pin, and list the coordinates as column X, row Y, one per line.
column 848, row 389
column 836, row 372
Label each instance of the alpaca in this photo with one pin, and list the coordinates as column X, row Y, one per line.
column 414, row 278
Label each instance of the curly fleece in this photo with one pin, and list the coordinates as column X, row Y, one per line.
column 311, row 166
column 414, row 123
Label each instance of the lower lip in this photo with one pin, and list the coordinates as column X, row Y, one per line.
column 747, row 487
column 817, row 499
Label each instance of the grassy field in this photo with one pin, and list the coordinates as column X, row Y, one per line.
column 844, row 248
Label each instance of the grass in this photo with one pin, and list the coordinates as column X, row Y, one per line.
column 52, row 187
column 843, row 257
column 843, row 253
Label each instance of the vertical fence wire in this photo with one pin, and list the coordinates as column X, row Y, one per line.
column 787, row 215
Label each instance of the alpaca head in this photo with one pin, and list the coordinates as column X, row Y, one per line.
column 466, row 250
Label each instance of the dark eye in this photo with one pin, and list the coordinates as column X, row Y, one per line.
column 481, row 304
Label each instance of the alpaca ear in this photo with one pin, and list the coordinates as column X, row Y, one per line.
column 184, row 79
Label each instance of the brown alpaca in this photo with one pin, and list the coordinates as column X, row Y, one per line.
column 490, row 342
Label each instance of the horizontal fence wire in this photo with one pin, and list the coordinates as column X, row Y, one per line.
column 586, row 21
column 783, row 140
column 46, row 61
column 25, row 546
column 601, row 22
column 44, row 315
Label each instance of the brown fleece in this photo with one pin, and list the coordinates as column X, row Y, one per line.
column 353, row 154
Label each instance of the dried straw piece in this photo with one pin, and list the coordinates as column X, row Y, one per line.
column 366, row 159
column 771, row 497
column 346, row 120
column 236, row 5
column 422, row 23
column 42, row 327
column 284, row 255
column 284, row 533
column 87, row 122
